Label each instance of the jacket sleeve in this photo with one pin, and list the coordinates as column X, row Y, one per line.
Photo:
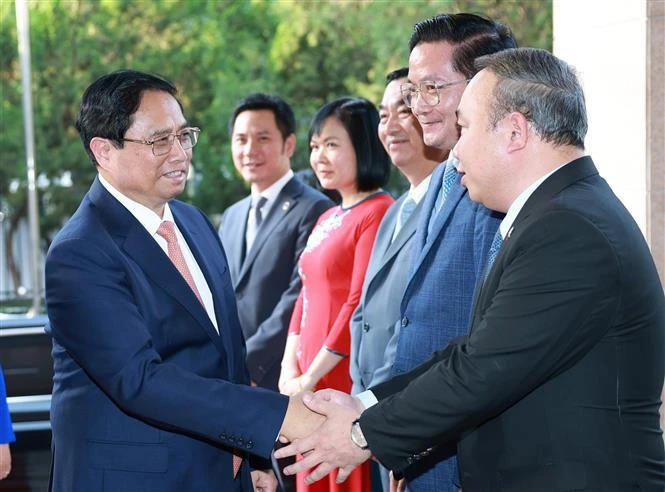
column 6, row 432
column 545, row 314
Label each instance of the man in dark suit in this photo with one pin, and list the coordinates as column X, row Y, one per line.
column 263, row 256
column 150, row 386
column 557, row 387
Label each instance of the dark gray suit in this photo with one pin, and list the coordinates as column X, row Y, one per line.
column 265, row 278
column 374, row 325
column 558, row 385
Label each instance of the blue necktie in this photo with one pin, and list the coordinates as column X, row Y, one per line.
column 405, row 212
column 494, row 251
column 449, row 179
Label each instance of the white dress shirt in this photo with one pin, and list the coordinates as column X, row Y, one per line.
column 270, row 194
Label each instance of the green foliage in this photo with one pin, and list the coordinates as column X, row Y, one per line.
column 216, row 52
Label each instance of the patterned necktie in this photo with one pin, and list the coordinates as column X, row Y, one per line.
column 167, row 231
column 494, row 251
column 449, row 179
column 405, row 212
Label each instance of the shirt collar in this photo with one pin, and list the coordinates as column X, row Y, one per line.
column 417, row 193
column 518, row 204
column 146, row 217
column 271, row 192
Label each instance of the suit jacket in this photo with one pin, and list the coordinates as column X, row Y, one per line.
column 558, row 385
column 6, row 432
column 374, row 325
column 265, row 278
column 436, row 306
column 146, row 395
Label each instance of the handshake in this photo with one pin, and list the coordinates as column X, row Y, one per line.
column 318, row 427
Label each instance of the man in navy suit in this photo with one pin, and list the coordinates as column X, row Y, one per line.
column 151, row 390
column 557, row 386
column 454, row 233
column 263, row 257
column 374, row 325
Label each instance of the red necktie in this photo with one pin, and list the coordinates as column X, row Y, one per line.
column 167, row 231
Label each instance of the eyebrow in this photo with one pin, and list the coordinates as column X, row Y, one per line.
column 165, row 131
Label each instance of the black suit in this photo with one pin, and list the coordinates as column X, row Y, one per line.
column 558, row 385
column 265, row 278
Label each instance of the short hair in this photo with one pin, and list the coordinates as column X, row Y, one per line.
column 543, row 88
column 360, row 118
column 109, row 103
column 400, row 73
column 286, row 121
column 472, row 35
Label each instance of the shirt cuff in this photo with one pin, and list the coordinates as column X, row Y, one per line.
column 367, row 398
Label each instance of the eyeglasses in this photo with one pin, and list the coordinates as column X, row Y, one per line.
column 162, row 145
column 429, row 90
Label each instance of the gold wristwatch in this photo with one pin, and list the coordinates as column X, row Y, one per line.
column 357, row 436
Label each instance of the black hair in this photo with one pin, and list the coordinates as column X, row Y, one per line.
column 473, row 36
column 108, row 104
column 360, row 118
column 286, row 121
column 400, row 73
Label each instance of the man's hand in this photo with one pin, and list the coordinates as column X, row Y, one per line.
column 330, row 446
column 397, row 485
column 299, row 420
column 264, row 481
column 5, row 461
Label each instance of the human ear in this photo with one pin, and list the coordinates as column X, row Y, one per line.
column 518, row 127
column 101, row 149
column 290, row 145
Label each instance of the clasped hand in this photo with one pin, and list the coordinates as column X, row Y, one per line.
column 329, row 447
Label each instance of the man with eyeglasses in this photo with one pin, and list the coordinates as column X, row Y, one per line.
column 454, row 233
column 151, row 391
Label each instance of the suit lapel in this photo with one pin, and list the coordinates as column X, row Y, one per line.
column 407, row 231
column 234, row 235
column 144, row 250
column 428, row 206
column 210, row 265
column 443, row 217
column 570, row 173
column 285, row 202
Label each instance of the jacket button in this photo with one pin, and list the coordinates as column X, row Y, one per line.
column 405, row 321
column 250, row 444
column 365, row 327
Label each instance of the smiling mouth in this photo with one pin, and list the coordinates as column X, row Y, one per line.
column 175, row 174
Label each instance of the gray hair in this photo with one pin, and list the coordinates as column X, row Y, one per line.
column 543, row 88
